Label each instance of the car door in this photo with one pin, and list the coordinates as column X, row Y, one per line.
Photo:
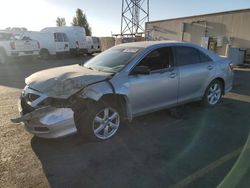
column 65, row 42
column 159, row 88
column 195, row 70
column 59, row 42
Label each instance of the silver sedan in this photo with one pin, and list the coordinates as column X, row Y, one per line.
column 123, row 82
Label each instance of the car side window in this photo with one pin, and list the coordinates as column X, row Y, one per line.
column 65, row 37
column 59, row 37
column 158, row 59
column 204, row 58
column 186, row 55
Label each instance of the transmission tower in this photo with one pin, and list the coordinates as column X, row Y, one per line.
column 134, row 15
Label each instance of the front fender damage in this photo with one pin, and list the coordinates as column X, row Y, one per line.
column 97, row 90
column 79, row 100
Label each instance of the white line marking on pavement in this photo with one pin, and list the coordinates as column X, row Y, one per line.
column 200, row 173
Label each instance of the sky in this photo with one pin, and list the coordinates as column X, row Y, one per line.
column 104, row 16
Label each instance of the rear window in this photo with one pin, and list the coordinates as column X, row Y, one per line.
column 95, row 40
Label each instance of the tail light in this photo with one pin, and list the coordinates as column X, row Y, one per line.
column 231, row 66
column 38, row 45
column 77, row 44
column 12, row 45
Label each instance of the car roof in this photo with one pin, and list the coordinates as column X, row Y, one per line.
column 145, row 44
column 148, row 44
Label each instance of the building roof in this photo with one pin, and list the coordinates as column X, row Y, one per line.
column 209, row 14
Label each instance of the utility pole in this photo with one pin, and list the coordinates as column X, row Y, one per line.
column 134, row 15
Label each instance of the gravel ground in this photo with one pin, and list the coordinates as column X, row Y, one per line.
column 157, row 150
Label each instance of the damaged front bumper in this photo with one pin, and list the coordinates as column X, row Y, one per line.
column 48, row 122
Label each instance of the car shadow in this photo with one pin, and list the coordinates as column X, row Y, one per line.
column 155, row 150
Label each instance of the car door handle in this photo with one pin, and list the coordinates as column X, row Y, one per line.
column 172, row 75
column 210, row 67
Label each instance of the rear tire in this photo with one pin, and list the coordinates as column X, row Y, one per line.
column 99, row 122
column 213, row 93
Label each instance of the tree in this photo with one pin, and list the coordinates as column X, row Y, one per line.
column 81, row 20
column 60, row 22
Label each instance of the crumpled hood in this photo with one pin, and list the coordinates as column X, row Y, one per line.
column 62, row 82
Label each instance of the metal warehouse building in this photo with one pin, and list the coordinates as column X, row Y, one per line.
column 226, row 33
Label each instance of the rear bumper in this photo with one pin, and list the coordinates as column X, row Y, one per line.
column 24, row 53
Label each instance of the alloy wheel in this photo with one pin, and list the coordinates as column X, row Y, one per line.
column 106, row 123
column 214, row 93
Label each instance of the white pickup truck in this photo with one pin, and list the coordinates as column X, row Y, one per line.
column 13, row 48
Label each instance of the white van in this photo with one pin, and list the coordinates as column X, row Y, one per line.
column 56, row 43
column 93, row 45
column 76, row 36
column 11, row 47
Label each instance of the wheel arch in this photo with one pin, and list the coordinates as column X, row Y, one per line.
column 44, row 50
column 121, row 101
column 222, row 82
column 103, row 92
column 216, row 78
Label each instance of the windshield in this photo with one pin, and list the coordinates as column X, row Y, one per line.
column 112, row 60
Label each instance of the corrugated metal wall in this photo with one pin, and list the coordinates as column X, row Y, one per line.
column 229, row 28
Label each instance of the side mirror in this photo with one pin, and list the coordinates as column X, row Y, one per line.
column 140, row 70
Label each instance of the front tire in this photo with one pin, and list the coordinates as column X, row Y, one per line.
column 99, row 122
column 213, row 93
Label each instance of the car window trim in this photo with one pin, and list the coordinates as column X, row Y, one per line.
column 167, row 69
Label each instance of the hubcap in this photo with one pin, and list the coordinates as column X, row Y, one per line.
column 106, row 123
column 214, row 94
